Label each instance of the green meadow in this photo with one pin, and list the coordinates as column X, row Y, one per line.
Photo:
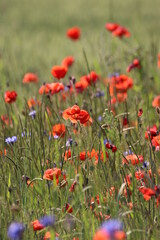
column 108, row 184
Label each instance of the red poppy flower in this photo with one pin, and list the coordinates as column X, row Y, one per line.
column 92, row 77
column 101, row 235
column 139, row 175
column 140, row 112
column 30, row 77
column 117, row 30
column 83, row 117
column 135, row 64
column 120, row 84
column 111, row 26
column 59, row 130
column 67, row 208
column 33, row 102
column 156, row 142
column 47, row 236
column 156, row 101
column 152, row 132
column 75, row 114
column 72, row 111
column 45, row 88
column 59, row 71
column 123, row 83
column 51, row 88
column 121, row 32
column 10, row 96
column 119, row 235
column 82, row 156
column 147, row 193
column 37, row 225
column 56, row 87
column 133, row 159
column 74, row 33
column 49, row 174
column 81, row 85
column 68, row 61
column 91, row 154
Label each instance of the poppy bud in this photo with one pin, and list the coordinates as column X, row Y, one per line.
column 140, row 112
column 114, row 148
column 108, row 145
column 158, row 110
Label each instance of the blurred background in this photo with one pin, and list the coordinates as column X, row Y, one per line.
column 33, row 33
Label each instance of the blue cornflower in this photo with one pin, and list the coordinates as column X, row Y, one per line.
column 47, row 221
column 130, row 152
column 32, row 114
column 116, row 74
column 111, row 226
column 145, row 164
column 69, row 142
column 100, row 94
column 66, row 88
column 55, row 136
column 23, row 134
column 15, row 231
column 8, row 140
column 125, row 153
column 100, row 118
column 107, row 141
column 11, row 139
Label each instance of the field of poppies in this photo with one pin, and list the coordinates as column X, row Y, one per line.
column 80, row 120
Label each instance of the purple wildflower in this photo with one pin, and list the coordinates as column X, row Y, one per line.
column 99, row 94
column 111, row 226
column 55, row 137
column 107, row 141
column 47, row 221
column 125, row 153
column 100, row 118
column 32, row 114
column 145, row 164
column 11, row 139
column 15, row 231
column 69, row 142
